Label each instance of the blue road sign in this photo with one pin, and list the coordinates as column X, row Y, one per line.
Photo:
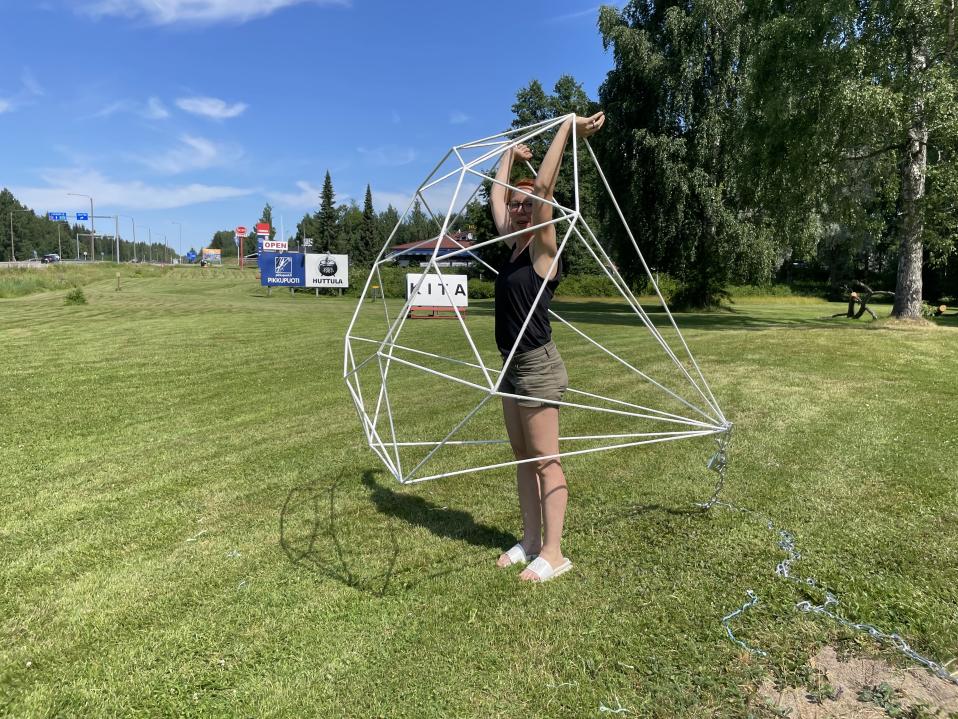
column 284, row 269
column 83, row 216
column 57, row 216
column 191, row 256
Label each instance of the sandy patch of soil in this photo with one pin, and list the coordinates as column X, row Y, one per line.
column 860, row 688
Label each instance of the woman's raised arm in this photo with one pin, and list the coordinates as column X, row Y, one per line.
column 545, row 183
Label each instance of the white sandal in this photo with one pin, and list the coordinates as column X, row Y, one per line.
column 517, row 555
column 545, row 571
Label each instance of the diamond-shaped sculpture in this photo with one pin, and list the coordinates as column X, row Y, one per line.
column 408, row 377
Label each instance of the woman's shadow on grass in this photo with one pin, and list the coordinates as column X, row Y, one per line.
column 324, row 525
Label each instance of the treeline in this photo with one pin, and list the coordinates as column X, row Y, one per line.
column 749, row 138
column 354, row 230
column 34, row 236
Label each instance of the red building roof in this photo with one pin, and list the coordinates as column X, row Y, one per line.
column 448, row 243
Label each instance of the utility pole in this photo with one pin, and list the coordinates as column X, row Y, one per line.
column 133, row 222
column 92, row 225
column 180, row 226
column 13, row 256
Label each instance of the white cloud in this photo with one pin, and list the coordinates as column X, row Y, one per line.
column 194, row 153
column 113, row 108
column 166, row 12
column 458, row 118
column 127, row 195
column 211, row 107
column 31, row 89
column 306, row 198
column 155, row 110
column 387, row 155
column 30, row 82
column 592, row 11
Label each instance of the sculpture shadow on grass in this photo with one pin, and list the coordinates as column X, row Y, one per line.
column 441, row 521
column 314, row 533
column 357, row 540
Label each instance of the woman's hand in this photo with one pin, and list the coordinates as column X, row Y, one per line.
column 588, row 126
column 522, row 152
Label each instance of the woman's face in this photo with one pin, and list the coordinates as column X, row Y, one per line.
column 520, row 209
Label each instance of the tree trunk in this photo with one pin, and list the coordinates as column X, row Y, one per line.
column 908, row 289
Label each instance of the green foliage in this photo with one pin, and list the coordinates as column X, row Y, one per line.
column 586, row 286
column 674, row 108
column 35, row 236
column 369, row 240
column 884, row 696
column 846, row 100
column 324, row 221
column 417, row 226
column 75, row 297
column 18, row 282
column 225, row 240
column 267, row 217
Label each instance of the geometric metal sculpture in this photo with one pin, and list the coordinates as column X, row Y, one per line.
column 407, row 378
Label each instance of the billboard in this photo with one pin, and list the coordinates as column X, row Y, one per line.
column 282, row 269
column 327, row 270
column 294, row 269
column 452, row 291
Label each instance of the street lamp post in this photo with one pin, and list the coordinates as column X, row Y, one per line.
column 180, row 226
column 13, row 255
column 133, row 222
column 92, row 225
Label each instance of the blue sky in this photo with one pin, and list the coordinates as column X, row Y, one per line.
column 201, row 111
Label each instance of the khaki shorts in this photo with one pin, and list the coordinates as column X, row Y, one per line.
column 538, row 374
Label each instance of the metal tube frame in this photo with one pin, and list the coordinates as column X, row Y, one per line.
column 388, row 350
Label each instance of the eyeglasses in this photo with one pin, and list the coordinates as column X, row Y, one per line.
column 527, row 206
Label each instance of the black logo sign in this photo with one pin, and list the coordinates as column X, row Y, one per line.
column 327, row 267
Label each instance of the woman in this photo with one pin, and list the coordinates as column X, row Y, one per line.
column 536, row 370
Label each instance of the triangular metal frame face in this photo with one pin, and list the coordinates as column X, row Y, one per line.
column 681, row 404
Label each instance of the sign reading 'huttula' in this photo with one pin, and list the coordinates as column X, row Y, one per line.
column 327, row 270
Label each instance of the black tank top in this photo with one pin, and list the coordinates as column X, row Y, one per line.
column 516, row 287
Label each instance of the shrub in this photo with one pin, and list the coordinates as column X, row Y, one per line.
column 75, row 297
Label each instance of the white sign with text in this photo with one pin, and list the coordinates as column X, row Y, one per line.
column 327, row 270
column 452, row 291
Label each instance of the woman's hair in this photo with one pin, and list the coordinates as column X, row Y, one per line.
column 526, row 183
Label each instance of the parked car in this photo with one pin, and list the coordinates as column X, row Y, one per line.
column 50, row 258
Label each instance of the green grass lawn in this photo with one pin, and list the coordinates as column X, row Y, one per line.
column 192, row 525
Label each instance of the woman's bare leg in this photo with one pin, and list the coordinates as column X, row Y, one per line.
column 527, row 483
column 541, row 431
